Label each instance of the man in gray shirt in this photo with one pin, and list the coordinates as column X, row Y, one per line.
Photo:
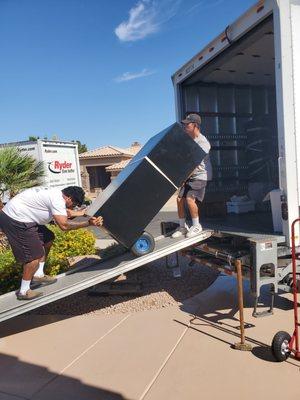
column 194, row 187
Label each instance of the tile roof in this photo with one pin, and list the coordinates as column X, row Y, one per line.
column 117, row 166
column 106, row 151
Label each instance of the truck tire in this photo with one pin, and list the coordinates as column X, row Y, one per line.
column 280, row 346
column 144, row 245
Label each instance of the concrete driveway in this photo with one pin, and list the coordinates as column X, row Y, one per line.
column 181, row 352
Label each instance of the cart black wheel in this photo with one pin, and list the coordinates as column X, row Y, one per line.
column 144, row 245
column 280, row 346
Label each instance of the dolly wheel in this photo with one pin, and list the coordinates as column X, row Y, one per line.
column 144, row 245
column 280, row 346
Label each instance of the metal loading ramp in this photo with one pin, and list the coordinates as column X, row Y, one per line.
column 84, row 278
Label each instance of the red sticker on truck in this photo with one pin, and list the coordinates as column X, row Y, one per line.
column 58, row 167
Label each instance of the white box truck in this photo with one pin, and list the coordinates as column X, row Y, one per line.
column 61, row 161
column 245, row 85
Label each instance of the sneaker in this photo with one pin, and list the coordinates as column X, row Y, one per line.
column 29, row 295
column 179, row 232
column 44, row 280
column 194, row 230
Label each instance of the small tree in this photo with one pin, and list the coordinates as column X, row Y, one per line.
column 81, row 147
column 18, row 171
column 33, row 138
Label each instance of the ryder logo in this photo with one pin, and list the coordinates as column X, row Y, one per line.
column 58, row 167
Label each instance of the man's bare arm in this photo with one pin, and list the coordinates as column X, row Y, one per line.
column 67, row 225
column 76, row 213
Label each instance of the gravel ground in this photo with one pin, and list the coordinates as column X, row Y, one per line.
column 159, row 289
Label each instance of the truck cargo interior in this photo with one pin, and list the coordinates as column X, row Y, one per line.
column 235, row 96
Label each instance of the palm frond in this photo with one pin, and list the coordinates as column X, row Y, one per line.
column 19, row 171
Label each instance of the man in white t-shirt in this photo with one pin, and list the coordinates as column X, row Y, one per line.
column 23, row 221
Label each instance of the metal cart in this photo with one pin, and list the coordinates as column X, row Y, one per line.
column 283, row 345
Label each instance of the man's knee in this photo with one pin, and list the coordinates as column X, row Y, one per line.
column 191, row 200
column 180, row 200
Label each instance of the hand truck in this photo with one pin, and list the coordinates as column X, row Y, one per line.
column 283, row 345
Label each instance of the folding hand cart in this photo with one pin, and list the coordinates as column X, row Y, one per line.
column 283, row 345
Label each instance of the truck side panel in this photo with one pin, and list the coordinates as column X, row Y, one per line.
column 295, row 21
column 286, row 116
column 61, row 164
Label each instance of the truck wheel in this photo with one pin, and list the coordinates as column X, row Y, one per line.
column 280, row 346
column 144, row 245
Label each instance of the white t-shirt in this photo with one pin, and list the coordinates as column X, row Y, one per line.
column 37, row 204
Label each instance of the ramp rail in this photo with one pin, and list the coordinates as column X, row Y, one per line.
column 73, row 282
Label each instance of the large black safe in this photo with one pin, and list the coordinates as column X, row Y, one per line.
column 137, row 194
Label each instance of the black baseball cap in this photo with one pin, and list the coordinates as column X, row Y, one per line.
column 194, row 118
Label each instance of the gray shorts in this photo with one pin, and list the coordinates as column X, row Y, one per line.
column 194, row 189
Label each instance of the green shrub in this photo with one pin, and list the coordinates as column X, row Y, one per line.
column 10, row 272
column 3, row 242
column 79, row 242
column 87, row 201
column 67, row 244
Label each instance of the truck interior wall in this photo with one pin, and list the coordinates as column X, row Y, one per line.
column 237, row 103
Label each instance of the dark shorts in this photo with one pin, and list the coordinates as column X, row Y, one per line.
column 194, row 189
column 27, row 240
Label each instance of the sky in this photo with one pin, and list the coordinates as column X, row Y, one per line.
column 99, row 71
